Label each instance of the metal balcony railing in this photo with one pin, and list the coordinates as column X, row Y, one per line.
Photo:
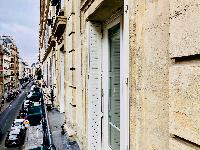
column 54, row 2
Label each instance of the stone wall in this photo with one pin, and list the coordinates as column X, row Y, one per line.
column 184, row 74
column 75, row 84
column 164, row 70
column 164, row 74
column 150, row 73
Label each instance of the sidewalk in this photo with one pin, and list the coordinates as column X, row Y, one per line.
column 34, row 138
column 5, row 105
column 61, row 142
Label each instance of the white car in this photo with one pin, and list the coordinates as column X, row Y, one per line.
column 15, row 138
column 14, row 131
column 32, row 88
column 29, row 95
column 18, row 123
column 26, row 104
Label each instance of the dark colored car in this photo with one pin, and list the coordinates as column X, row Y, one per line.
column 15, row 138
column 10, row 97
column 36, row 96
column 1, row 133
column 35, row 115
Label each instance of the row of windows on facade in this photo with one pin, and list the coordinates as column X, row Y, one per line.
column 7, row 61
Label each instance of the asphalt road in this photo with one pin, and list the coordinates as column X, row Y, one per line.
column 9, row 114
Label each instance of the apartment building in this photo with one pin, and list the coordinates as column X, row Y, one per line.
column 14, row 66
column 125, row 72
column 22, row 65
column 1, row 71
column 9, row 64
column 25, row 71
column 28, row 71
column 9, row 44
column 52, row 47
column 34, row 68
column 4, row 71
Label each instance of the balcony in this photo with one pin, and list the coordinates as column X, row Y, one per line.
column 51, row 44
column 104, row 10
column 6, row 75
column 54, row 2
column 59, row 25
column 12, row 74
column 49, row 22
column 12, row 68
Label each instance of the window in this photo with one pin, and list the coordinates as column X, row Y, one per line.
column 12, row 66
column 1, row 73
column 114, row 88
column 1, row 62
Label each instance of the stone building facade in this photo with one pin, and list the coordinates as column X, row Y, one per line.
column 14, row 66
column 52, row 48
column 22, row 65
column 9, row 66
column 129, row 71
column 4, row 71
column 34, row 68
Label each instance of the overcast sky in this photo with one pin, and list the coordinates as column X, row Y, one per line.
column 20, row 19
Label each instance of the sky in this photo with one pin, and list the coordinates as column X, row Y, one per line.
column 20, row 19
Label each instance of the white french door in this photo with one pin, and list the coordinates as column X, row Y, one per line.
column 115, row 86
column 107, row 87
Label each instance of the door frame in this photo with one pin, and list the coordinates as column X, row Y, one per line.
column 124, row 77
column 124, row 98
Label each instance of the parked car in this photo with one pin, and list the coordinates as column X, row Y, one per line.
column 23, row 113
column 2, row 101
column 36, row 96
column 29, row 94
column 15, row 94
column 19, row 91
column 32, row 88
column 35, row 115
column 19, row 123
column 15, row 138
column 10, row 97
column 1, row 132
column 39, row 148
column 26, row 104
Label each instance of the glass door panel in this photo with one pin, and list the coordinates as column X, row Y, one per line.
column 114, row 87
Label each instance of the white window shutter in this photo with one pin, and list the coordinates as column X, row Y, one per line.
column 94, row 87
column 62, row 82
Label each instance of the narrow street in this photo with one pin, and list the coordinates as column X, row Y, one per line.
column 9, row 114
column 36, row 135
